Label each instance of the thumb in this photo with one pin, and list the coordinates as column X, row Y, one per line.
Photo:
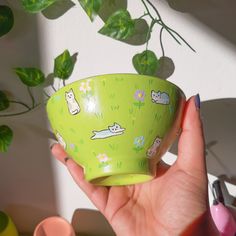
column 191, row 148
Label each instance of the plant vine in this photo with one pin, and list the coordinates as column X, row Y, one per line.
column 118, row 24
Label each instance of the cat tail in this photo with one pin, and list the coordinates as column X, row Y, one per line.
column 94, row 134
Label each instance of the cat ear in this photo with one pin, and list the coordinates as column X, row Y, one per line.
column 71, row 90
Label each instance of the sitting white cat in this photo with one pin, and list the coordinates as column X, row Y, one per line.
column 72, row 104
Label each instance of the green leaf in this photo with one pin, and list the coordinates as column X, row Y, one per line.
column 91, row 7
column 63, row 65
column 4, row 102
column 35, row 6
column 146, row 63
column 166, row 68
column 31, row 77
column 6, row 136
column 119, row 25
column 140, row 35
column 6, row 20
column 110, row 6
column 57, row 9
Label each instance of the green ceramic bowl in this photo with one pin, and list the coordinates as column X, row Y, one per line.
column 117, row 126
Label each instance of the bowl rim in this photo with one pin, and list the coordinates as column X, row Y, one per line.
column 117, row 74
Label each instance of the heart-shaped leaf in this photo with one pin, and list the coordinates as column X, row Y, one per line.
column 110, row 6
column 166, row 68
column 31, row 77
column 146, row 63
column 91, row 7
column 140, row 35
column 57, row 9
column 34, row 6
column 119, row 25
column 6, row 136
column 4, row 102
column 6, row 20
column 63, row 65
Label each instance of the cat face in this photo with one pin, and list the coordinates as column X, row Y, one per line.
column 157, row 141
column 156, row 95
column 70, row 95
column 115, row 128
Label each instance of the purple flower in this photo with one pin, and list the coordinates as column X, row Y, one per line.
column 139, row 95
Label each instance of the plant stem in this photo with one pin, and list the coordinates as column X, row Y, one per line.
column 20, row 113
column 147, row 9
column 64, row 82
column 21, row 103
column 149, row 33
column 31, row 96
column 167, row 28
column 145, row 14
column 182, row 39
column 161, row 42
column 154, row 8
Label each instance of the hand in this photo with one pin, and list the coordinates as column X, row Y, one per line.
column 175, row 202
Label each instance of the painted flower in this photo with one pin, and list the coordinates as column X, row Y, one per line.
column 139, row 95
column 103, row 158
column 139, row 141
column 85, row 86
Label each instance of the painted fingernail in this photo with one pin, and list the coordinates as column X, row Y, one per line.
column 197, row 101
column 66, row 159
column 52, row 145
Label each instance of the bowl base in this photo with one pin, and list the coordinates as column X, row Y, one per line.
column 119, row 180
column 116, row 173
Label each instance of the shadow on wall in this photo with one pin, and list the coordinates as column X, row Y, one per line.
column 218, row 15
column 91, row 223
column 219, row 119
column 27, row 190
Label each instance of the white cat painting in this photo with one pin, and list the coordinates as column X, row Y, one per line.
column 153, row 149
column 113, row 130
column 72, row 104
column 160, row 97
column 61, row 140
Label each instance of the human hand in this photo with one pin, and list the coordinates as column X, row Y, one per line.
column 175, row 202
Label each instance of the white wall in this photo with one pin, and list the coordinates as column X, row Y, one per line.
column 210, row 72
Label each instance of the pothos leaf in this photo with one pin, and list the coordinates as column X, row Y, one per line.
column 63, row 65
column 57, row 9
column 34, row 6
column 110, row 6
column 119, row 25
column 4, row 102
column 6, row 136
column 140, row 35
column 6, row 20
column 146, row 63
column 31, row 77
column 91, row 7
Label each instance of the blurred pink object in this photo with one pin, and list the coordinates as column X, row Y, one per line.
column 54, row 226
column 221, row 215
column 223, row 219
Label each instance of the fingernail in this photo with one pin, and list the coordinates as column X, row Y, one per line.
column 197, row 101
column 66, row 159
column 52, row 145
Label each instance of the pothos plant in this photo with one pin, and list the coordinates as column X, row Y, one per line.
column 118, row 24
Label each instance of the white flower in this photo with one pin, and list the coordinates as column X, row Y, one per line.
column 85, row 86
column 102, row 157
